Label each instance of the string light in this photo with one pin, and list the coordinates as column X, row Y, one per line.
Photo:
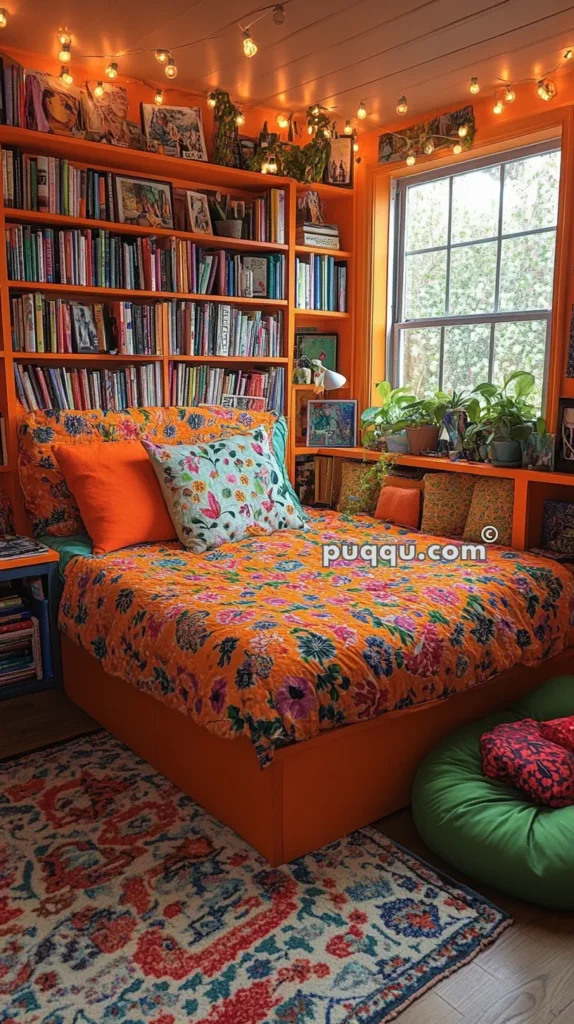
column 171, row 68
column 327, row 133
column 463, row 131
column 249, row 46
column 402, row 106
column 240, row 119
column 509, row 94
column 282, row 120
column 546, row 89
column 112, row 70
column 411, row 158
column 66, row 76
column 457, row 148
column 65, row 55
column 498, row 107
column 3, row 17
column 356, row 146
column 347, row 129
column 99, row 90
column 265, row 167
column 428, row 147
column 362, row 111
column 162, row 56
column 272, row 165
column 568, row 55
column 211, row 100
column 64, row 37
column 158, row 98
column 310, row 129
column 474, row 86
column 279, row 14
column 315, row 111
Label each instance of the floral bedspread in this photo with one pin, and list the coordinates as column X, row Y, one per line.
column 257, row 638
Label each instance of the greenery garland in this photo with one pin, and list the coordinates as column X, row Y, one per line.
column 226, row 142
column 304, row 163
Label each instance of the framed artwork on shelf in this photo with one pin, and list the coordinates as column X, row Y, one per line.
column 198, row 213
column 340, row 166
column 178, row 130
column 84, row 328
column 51, row 106
column 565, row 437
column 331, row 423
column 106, row 115
column 316, row 345
column 144, row 203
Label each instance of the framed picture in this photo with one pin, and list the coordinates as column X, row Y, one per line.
column 51, row 106
column 316, row 345
column 107, row 115
column 247, row 147
column 198, row 213
column 331, row 423
column 148, row 204
column 340, row 166
column 178, row 130
column 565, row 436
column 84, row 328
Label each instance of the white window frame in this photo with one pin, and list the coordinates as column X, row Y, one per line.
column 397, row 231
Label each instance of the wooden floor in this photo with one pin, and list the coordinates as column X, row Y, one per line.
column 527, row 977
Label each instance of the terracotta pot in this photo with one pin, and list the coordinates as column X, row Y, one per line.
column 422, row 438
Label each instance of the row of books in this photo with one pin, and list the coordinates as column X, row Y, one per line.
column 321, row 283
column 264, row 219
column 104, row 260
column 40, row 387
column 12, row 106
column 214, row 329
column 20, row 645
column 215, row 385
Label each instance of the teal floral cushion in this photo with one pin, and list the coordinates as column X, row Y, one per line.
column 224, row 490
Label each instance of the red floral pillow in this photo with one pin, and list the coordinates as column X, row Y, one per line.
column 518, row 753
column 561, row 731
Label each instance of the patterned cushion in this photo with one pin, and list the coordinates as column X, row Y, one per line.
column 518, row 753
column 447, row 499
column 492, row 505
column 360, row 487
column 560, row 731
column 49, row 503
column 223, row 490
column 558, row 527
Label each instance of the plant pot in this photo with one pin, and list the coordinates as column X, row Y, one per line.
column 229, row 228
column 506, row 454
column 422, row 438
column 397, row 443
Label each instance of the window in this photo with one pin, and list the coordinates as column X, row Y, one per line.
column 474, row 273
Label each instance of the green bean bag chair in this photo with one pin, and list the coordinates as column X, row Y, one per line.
column 488, row 829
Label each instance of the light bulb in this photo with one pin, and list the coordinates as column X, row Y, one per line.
column 356, row 146
column 171, row 68
column 64, row 37
column 265, row 167
column 310, row 129
column 99, row 90
column 279, row 14
column 428, row 147
column 66, row 76
column 546, row 89
column 474, row 86
column 282, row 120
column 402, row 105
column 65, row 56
column 211, row 99
column 411, row 159
column 498, row 107
column 249, row 46
column 362, row 111
column 158, row 98
column 272, row 166
column 463, row 131
column 347, row 129
column 568, row 55
column 112, row 70
column 509, row 94
column 327, row 133
column 239, row 119
column 162, row 56
column 3, row 17
column 315, row 111
column 457, row 148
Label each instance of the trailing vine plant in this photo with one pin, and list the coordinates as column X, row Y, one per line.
column 304, row 163
column 225, row 143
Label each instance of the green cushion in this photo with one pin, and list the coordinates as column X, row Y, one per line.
column 487, row 829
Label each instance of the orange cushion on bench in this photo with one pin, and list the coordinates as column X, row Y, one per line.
column 117, row 492
column 400, row 505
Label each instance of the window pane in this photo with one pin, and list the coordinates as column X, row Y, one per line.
column 531, row 193
column 473, row 279
column 527, row 272
column 475, row 204
column 466, row 356
column 420, row 360
column 427, row 215
column 425, row 285
column 520, row 346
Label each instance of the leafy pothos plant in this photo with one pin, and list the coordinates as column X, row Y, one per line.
column 304, row 163
column 507, row 414
column 381, row 419
column 225, row 140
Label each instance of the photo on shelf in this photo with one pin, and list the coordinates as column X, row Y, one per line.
column 106, row 116
column 51, row 106
column 339, row 170
column 178, row 130
column 144, row 203
column 198, row 213
column 85, row 333
column 565, row 437
column 316, row 345
column 331, row 423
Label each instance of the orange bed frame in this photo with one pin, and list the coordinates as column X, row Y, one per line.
column 313, row 792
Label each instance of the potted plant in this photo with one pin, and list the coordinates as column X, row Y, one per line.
column 422, row 422
column 507, row 419
column 379, row 422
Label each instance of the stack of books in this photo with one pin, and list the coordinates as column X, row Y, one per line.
column 49, row 185
column 40, row 324
column 214, row 385
column 321, row 283
column 41, row 387
column 322, row 236
column 20, row 647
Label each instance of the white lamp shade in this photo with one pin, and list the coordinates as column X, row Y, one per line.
column 332, row 380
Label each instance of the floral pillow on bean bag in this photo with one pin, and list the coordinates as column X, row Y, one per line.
column 225, row 490
column 560, row 731
column 518, row 753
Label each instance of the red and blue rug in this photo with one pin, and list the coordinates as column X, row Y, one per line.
column 123, row 901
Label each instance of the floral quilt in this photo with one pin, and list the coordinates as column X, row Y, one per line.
column 258, row 639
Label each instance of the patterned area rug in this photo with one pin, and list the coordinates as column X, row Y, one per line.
column 122, row 900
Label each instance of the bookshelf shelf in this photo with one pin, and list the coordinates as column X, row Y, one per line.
column 84, row 357
column 339, row 254
column 135, row 293
column 327, row 191
column 224, row 360
column 322, row 313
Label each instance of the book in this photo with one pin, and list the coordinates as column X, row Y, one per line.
column 60, row 388
column 13, row 546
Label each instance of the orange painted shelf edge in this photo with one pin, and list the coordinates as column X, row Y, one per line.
column 134, row 293
column 90, row 357
column 339, row 254
column 320, row 312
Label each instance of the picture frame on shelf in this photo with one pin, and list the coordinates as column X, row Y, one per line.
column 107, row 114
column 564, row 462
column 52, row 107
column 331, row 423
column 318, row 345
column 341, row 164
column 143, row 202
column 198, row 213
column 178, row 130
column 84, row 329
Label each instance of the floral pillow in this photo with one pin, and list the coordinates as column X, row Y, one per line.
column 224, row 490
column 560, row 731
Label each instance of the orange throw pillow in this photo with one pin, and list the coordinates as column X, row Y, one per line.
column 400, row 505
column 118, row 494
